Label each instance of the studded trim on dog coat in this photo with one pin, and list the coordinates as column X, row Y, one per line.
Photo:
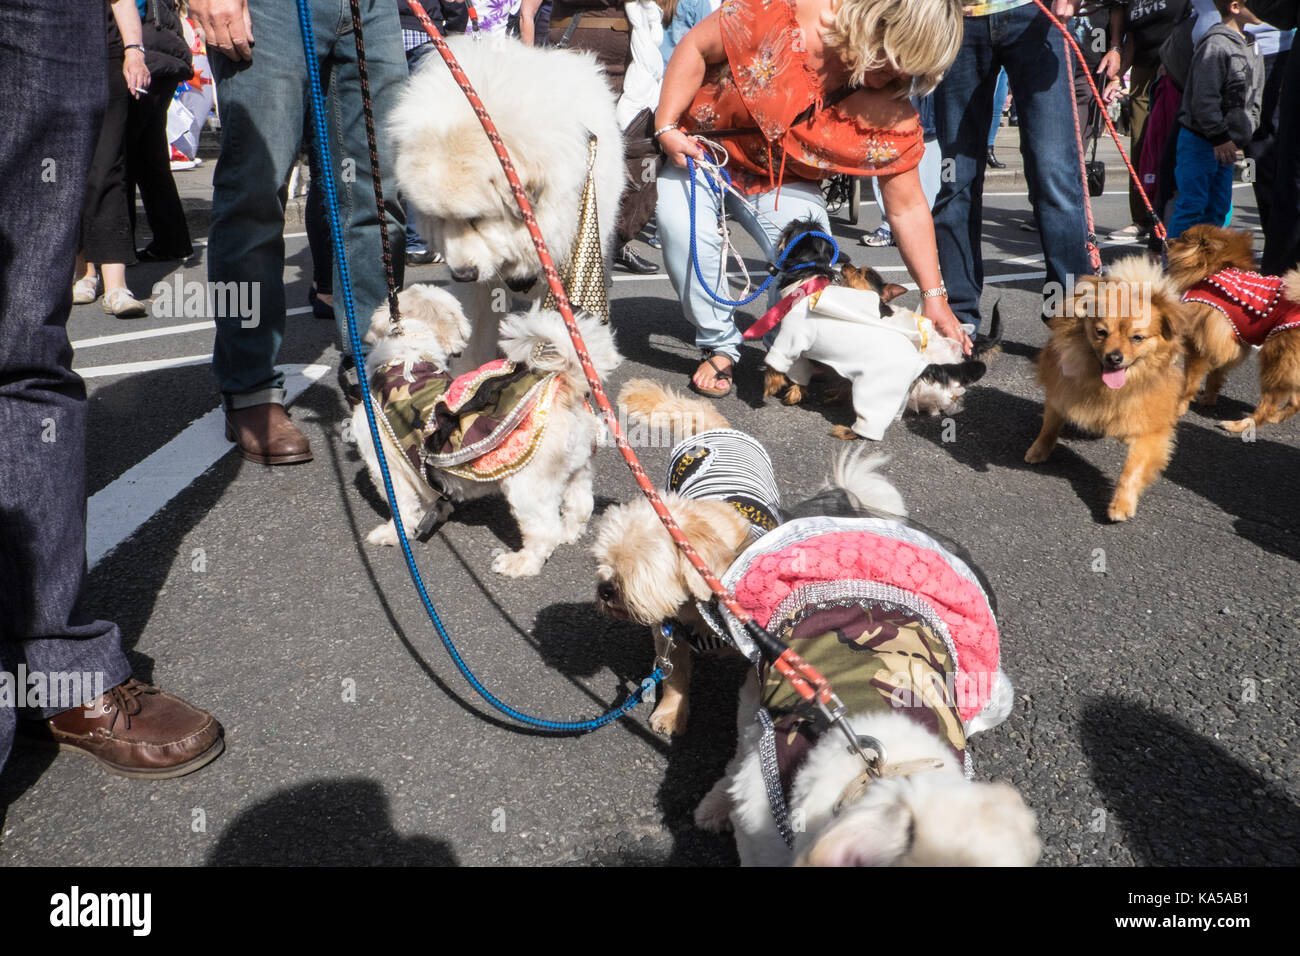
column 728, row 465
column 483, row 426
column 1252, row 302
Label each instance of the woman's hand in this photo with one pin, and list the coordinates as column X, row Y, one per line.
column 937, row 310
column 678, row 145
column 136, row 73
column 1113, row 91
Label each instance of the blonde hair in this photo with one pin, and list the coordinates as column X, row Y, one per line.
column 918, row 39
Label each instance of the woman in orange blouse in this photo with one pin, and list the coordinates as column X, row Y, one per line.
column 757, row 65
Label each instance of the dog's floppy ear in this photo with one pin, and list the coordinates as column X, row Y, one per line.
column 892, row 291
column 532, row 176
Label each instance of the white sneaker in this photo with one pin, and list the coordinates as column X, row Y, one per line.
column 85, row 290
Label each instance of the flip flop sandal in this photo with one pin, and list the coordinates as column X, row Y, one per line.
column 724, row 375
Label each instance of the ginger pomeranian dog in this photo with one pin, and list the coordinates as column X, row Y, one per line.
column 547, row 103
column 1231, row 309
column 806, row 267
column 516, row 426
column 1111, row 367
column 882, row 608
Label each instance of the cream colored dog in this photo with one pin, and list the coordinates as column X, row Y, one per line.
column 551, row 495
column 546, row 103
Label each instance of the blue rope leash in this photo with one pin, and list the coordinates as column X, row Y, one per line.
column 354, row 337
column 776, row 268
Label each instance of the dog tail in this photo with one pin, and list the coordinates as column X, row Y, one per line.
column 858, row 474
column 539, row 339
column 655, row 405
column 1291, row 284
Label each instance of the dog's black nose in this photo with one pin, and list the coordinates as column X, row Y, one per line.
column 606, row 591
column 1114, row 359
column 465, row 274
column 521, row 285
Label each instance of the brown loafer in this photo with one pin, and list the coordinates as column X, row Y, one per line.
column 265, row 435
column 134, row 730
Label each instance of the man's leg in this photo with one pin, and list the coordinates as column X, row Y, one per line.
column 50, row 112
column 261, row 126
column 387, row 71
column 1282, row 238
column 963, row 106
column 1034, row 52
column 1218, row 206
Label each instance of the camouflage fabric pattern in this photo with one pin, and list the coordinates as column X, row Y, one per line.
column 440, row 422
column 878, row 658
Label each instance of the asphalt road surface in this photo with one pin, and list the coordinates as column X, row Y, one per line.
column 1154, row 661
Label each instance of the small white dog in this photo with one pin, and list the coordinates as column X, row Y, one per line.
column 546, row 104
column 516, row 426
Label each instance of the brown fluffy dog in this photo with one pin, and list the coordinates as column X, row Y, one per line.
column 1111, row 368
column 1213, row 347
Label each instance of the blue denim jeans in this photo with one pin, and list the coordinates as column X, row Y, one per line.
column 999, row 100
column 1024, row 41
column 1204, row 185
column 50, row 106
column 263, row 105
column 715, row 326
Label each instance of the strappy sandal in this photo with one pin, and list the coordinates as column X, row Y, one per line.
column 724, row 375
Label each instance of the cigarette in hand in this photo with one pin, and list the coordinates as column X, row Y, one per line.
column 142, row 89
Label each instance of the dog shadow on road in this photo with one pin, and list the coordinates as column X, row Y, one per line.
column 343, row 822
column 575, row 640
column 1180, row 799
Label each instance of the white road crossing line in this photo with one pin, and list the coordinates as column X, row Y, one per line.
column 141, row 334
column 117, row 510
column 129, row 368
column 287, row 235
column 153, row 334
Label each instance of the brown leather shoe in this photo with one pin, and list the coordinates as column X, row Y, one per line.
column 265, row 435
column 134, row 730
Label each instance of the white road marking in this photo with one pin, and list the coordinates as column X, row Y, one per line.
column 141, row 334
column 153, row 334
column 117, row 510
column 130, row 368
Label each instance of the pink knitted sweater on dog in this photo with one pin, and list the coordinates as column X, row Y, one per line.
column 864, row 556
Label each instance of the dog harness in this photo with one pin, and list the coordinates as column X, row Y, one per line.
column 483, row 426
column 768, row 320
column 728, row 465
column 1252, row 302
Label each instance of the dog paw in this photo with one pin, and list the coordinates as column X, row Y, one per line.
column 1182, row 408
column 844, row 433
column 1238, row 426
column 714, row 811
column 384, row 535
column 1121, row 509
column 518, row 564
column 793, row 395
column 669, row 720
column 1037, row 453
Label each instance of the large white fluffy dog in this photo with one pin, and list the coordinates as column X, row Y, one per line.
column 546, row 103
column 536, row 450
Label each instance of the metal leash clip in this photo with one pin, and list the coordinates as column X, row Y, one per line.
column 836, row 714
column 662, row 662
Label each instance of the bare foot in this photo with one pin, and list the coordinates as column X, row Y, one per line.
column 713, row 377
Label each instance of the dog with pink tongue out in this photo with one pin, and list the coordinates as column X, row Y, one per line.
column 1112, row 367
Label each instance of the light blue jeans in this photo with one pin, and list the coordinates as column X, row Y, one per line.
column 715, row 325
column 929, row 169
